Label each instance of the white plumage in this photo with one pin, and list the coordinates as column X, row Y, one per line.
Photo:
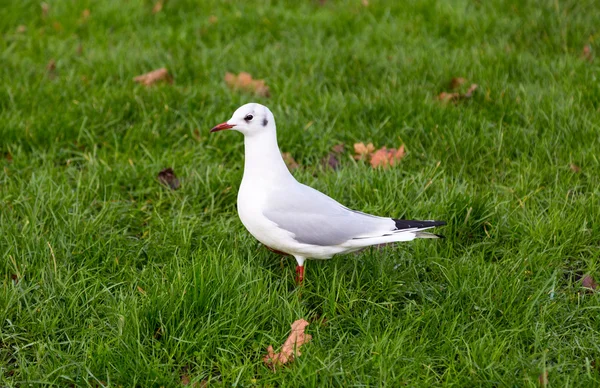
column 293, row 218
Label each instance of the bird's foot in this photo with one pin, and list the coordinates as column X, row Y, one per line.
column 299, row 274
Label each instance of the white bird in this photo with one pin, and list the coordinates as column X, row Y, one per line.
column 296, row 219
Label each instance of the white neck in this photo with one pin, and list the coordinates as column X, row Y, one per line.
column 263, row 158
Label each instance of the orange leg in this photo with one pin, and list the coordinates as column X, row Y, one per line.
column 299, row 274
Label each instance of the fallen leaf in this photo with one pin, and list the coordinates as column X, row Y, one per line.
column 363, row 151
column 154, row 76
column 141, row 290
column 331, row 160
column 168, row 178
column 586, row 53
column 157, row 7
column 457, row 82
column 338, row 148
column 380, row 158
column 365, row 3
column 543, row 379
column 470, row 91
column 385, row 158
column 289, row 161
column 213, row 19
column 575, row 168
column 587, row 281
column 447, row 97
column 85, row 14
column 21, row 29
column 291, row 347
column 243, row 81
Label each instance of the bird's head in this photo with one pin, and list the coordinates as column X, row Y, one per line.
column 249, row 119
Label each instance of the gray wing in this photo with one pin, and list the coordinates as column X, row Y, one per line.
column 316, row 219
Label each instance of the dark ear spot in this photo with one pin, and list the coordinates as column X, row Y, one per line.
column 265, row 122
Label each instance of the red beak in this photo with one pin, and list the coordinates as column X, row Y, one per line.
column 221, row 127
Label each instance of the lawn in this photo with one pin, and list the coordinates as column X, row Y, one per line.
column 109, row 278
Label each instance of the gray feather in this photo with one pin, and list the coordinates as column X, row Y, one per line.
column 316, row 219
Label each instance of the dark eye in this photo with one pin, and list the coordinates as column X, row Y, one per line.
column 248, row 117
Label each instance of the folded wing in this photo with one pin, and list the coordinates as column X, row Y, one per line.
column 314, row 218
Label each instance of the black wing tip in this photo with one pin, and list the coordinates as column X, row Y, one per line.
column 408, row 224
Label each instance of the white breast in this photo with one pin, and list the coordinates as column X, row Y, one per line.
column 251, row 202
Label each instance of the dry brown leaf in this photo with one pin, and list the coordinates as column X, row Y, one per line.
column 244, row 81
column 586, row 53
column 575, row 168
column 168, row 178
column 543, row 379
column 85, row 14
column 154, row 76
column 448, row 97
column 470, row 91
column 157, row 7
column 289, row 161
column 331, row 160
column 21, row 29
column 365, row 3
column 385, row 158
column 363, row 151
column 213, row 19
column 587, row 281
column 457, row 82
column 380, row 158
column 291, row 347
column 338, row 148
column 141, row 290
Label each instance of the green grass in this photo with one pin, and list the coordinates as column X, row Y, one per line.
column 105, row 275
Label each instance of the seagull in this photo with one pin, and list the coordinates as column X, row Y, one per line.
column 292, row 218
